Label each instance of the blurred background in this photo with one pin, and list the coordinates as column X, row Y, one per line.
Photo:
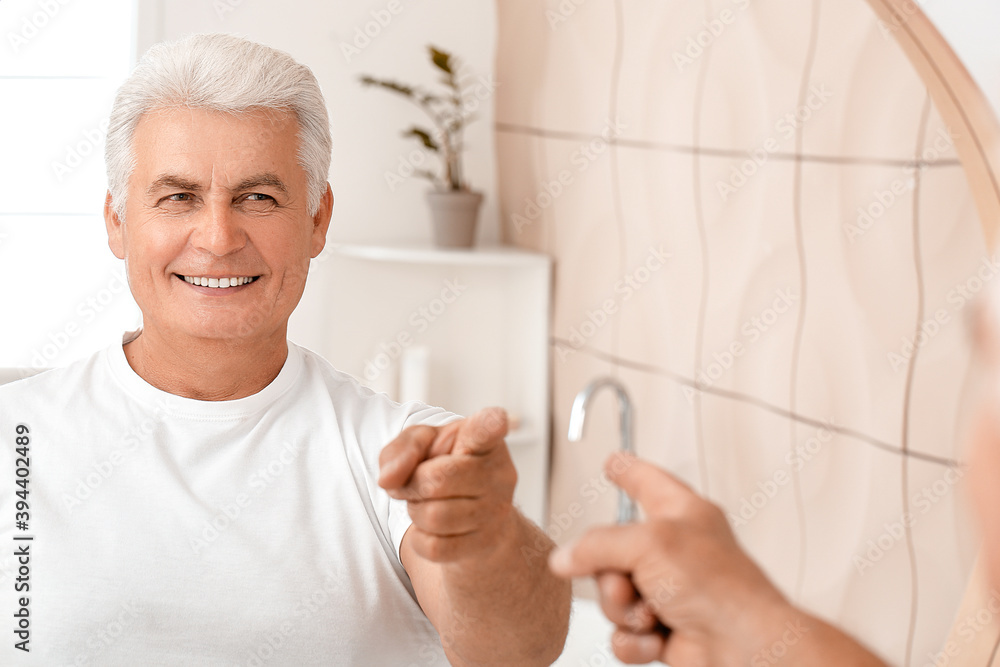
column 789, row 329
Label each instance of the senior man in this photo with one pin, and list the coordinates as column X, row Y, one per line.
column 207, row 493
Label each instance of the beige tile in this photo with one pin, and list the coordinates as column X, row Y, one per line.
column 850, row 490
column 956, row 266
column 876, row 98
column 550, row 66
column 521, row 167
column 946, row 545
column 754, row 292
column 746, row 448
column 859, row 301
column 664, row 423
column 585, row 241
column 666, row 48
column 662, row 434
column 657, row 322
column 579, row 497
column 753, row 76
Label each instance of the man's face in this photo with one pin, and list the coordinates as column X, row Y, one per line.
column 216, row 197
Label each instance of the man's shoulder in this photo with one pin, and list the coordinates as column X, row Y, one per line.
column 349, row 396
column 13, row 374
column 341, row 386
column 51, row 382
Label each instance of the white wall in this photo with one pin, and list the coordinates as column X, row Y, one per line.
column 62, row 294
column 366, row 123
column 54, row 259
column 972, row 27
column 390, row 38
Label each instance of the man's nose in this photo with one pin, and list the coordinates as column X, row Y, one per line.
column 218, row 230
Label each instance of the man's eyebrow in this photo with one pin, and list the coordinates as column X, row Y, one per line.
column 267, row 179
column 172, row 182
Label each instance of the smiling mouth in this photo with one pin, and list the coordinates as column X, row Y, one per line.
column 218, row 283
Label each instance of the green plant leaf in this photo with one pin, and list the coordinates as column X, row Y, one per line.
column 430, row 98
column 441, row 59
column 426, row 173
column 424, row 136
column 393, row 86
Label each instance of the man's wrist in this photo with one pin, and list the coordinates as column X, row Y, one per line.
column 494, row 544
column 506, row 535
column 755, row 618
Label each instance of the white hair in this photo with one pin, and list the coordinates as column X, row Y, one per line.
column 219, row 72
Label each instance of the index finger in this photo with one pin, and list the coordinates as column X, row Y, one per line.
column 652, row 487
column 400, row 458
column 601, row 549
column 482, row 432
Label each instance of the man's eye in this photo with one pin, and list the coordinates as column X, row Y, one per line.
column 256, row 202
column 180, row 196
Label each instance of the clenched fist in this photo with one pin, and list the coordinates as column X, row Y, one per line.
column 458, row 481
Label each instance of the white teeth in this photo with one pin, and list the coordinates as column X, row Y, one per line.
column 218, row 283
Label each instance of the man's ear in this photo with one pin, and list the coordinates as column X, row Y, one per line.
column 321, row 221
column 116, row 231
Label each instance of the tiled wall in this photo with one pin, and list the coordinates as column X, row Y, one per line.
column 753, row 206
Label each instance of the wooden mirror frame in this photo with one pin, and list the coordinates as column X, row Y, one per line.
column 965, row 109
column 959, row 100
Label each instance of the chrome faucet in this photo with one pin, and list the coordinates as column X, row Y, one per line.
column 578, row 415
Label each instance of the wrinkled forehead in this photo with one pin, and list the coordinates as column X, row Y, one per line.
column 191, row 142
column 257, row 125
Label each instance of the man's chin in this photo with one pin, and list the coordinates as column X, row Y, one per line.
column 232, row 330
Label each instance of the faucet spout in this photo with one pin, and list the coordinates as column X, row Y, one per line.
column 578, row 416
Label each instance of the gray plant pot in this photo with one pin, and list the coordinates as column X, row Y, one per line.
column 454, row 215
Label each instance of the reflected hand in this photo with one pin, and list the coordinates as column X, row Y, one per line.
column 458, row 481
column 682, row 569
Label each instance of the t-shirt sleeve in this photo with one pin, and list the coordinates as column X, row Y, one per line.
column 399, row 518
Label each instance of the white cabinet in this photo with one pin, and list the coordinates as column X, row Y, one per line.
column 471, row 326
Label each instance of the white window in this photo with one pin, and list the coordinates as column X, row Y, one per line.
column 62, row 292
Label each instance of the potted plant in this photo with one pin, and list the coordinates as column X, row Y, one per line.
column 454, row 206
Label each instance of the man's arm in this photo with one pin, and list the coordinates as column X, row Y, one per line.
column 479, row 568
column 679, row 588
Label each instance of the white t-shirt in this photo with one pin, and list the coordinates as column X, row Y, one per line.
column 173, row 531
